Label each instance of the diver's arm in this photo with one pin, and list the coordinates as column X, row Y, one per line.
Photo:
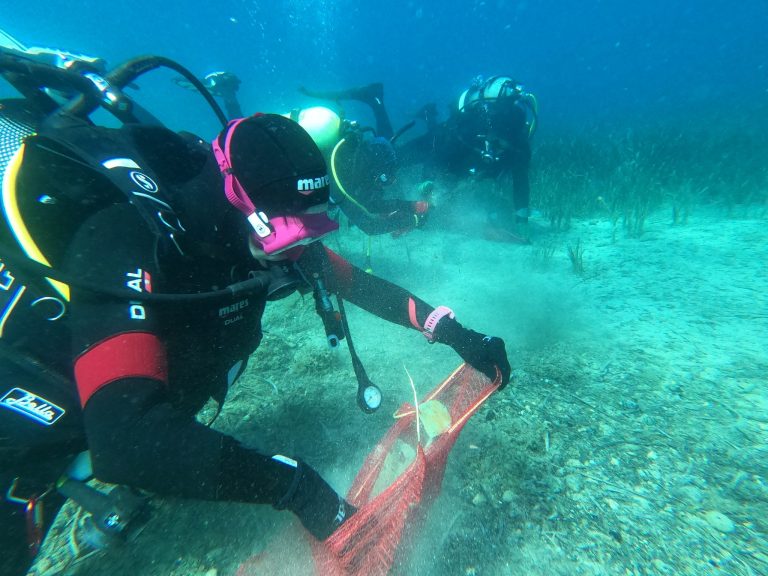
column 376, row 295
column 136, row 437
column 390, row 302
column 136, row 434
column 387, row 216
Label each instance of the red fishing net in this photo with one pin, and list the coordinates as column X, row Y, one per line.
column 395, row 485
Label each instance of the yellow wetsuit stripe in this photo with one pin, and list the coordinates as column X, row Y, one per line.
column 16, row 223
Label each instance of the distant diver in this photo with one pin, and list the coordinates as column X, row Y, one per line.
column 364, row 165
column 488, row 135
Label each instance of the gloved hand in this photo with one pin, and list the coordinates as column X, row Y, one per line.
column 319, row 508
column 484, row 353
column 420, row 211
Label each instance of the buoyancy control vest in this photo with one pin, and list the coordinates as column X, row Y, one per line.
column 52, row 182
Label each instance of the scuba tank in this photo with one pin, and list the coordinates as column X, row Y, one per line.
column 488, row 92
column 321, row 123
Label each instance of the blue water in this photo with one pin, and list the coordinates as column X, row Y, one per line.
column 588, row 62
column 601, row 70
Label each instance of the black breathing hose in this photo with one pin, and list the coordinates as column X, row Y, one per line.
column 130, row 71
column 368, row 394
column 258, row 283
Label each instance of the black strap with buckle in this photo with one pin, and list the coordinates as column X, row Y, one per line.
column 33, row 511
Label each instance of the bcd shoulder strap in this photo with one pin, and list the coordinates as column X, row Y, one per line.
column 112, row 158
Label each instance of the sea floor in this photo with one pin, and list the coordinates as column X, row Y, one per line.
column 633, row 439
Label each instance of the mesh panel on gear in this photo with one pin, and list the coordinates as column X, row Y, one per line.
column 12, row 134
column 370, row 542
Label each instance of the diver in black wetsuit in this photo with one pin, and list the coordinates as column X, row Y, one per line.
column 364, row 165
column 224, row 85
column 487, row 135
column 135, row 266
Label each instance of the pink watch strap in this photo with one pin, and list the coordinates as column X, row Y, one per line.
column 432, row 320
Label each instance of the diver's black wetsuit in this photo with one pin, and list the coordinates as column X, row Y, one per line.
column 356, row 165
column 191, row 353
column 382, row 215
column 365, row 202
column 457, row 147
column 122, row 376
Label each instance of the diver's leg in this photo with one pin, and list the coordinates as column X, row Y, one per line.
column 383, row 125
column 429, row 114
column 521, row 195
column 370, row 93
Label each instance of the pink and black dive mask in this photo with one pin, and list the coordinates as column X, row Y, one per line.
column 291, row 198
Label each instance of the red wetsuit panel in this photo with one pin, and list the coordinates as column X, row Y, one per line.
column 342, row 269
column 376, row 295
column 127, row 355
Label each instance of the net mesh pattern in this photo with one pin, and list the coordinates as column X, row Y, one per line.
column 388, row 513
column 12, row 134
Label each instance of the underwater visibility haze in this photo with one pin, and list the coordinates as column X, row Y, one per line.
column 633, row 439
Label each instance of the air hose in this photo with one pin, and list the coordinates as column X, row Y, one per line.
column 259, row 282
column 120, row 77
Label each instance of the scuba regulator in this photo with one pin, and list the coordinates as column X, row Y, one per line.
column 337, row 328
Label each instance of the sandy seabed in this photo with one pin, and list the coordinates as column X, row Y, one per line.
column 632, row 440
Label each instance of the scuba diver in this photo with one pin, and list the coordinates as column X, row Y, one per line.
column 224, row 85
column 488, row 135
column 363, row 164
column 135, row 267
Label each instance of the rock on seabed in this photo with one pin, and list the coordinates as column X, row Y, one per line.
column 719, row 521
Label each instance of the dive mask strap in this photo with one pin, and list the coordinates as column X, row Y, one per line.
column 232, row 188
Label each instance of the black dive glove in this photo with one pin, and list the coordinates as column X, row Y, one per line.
column 484, row 353
column 319, row 508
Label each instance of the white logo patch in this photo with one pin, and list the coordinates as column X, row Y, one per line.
column 307, row 185
column 144, row 182
column 32, row 406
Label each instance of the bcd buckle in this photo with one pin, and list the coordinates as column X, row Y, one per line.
column 33, row 511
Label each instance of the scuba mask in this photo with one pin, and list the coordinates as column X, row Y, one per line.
column 279, row 233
